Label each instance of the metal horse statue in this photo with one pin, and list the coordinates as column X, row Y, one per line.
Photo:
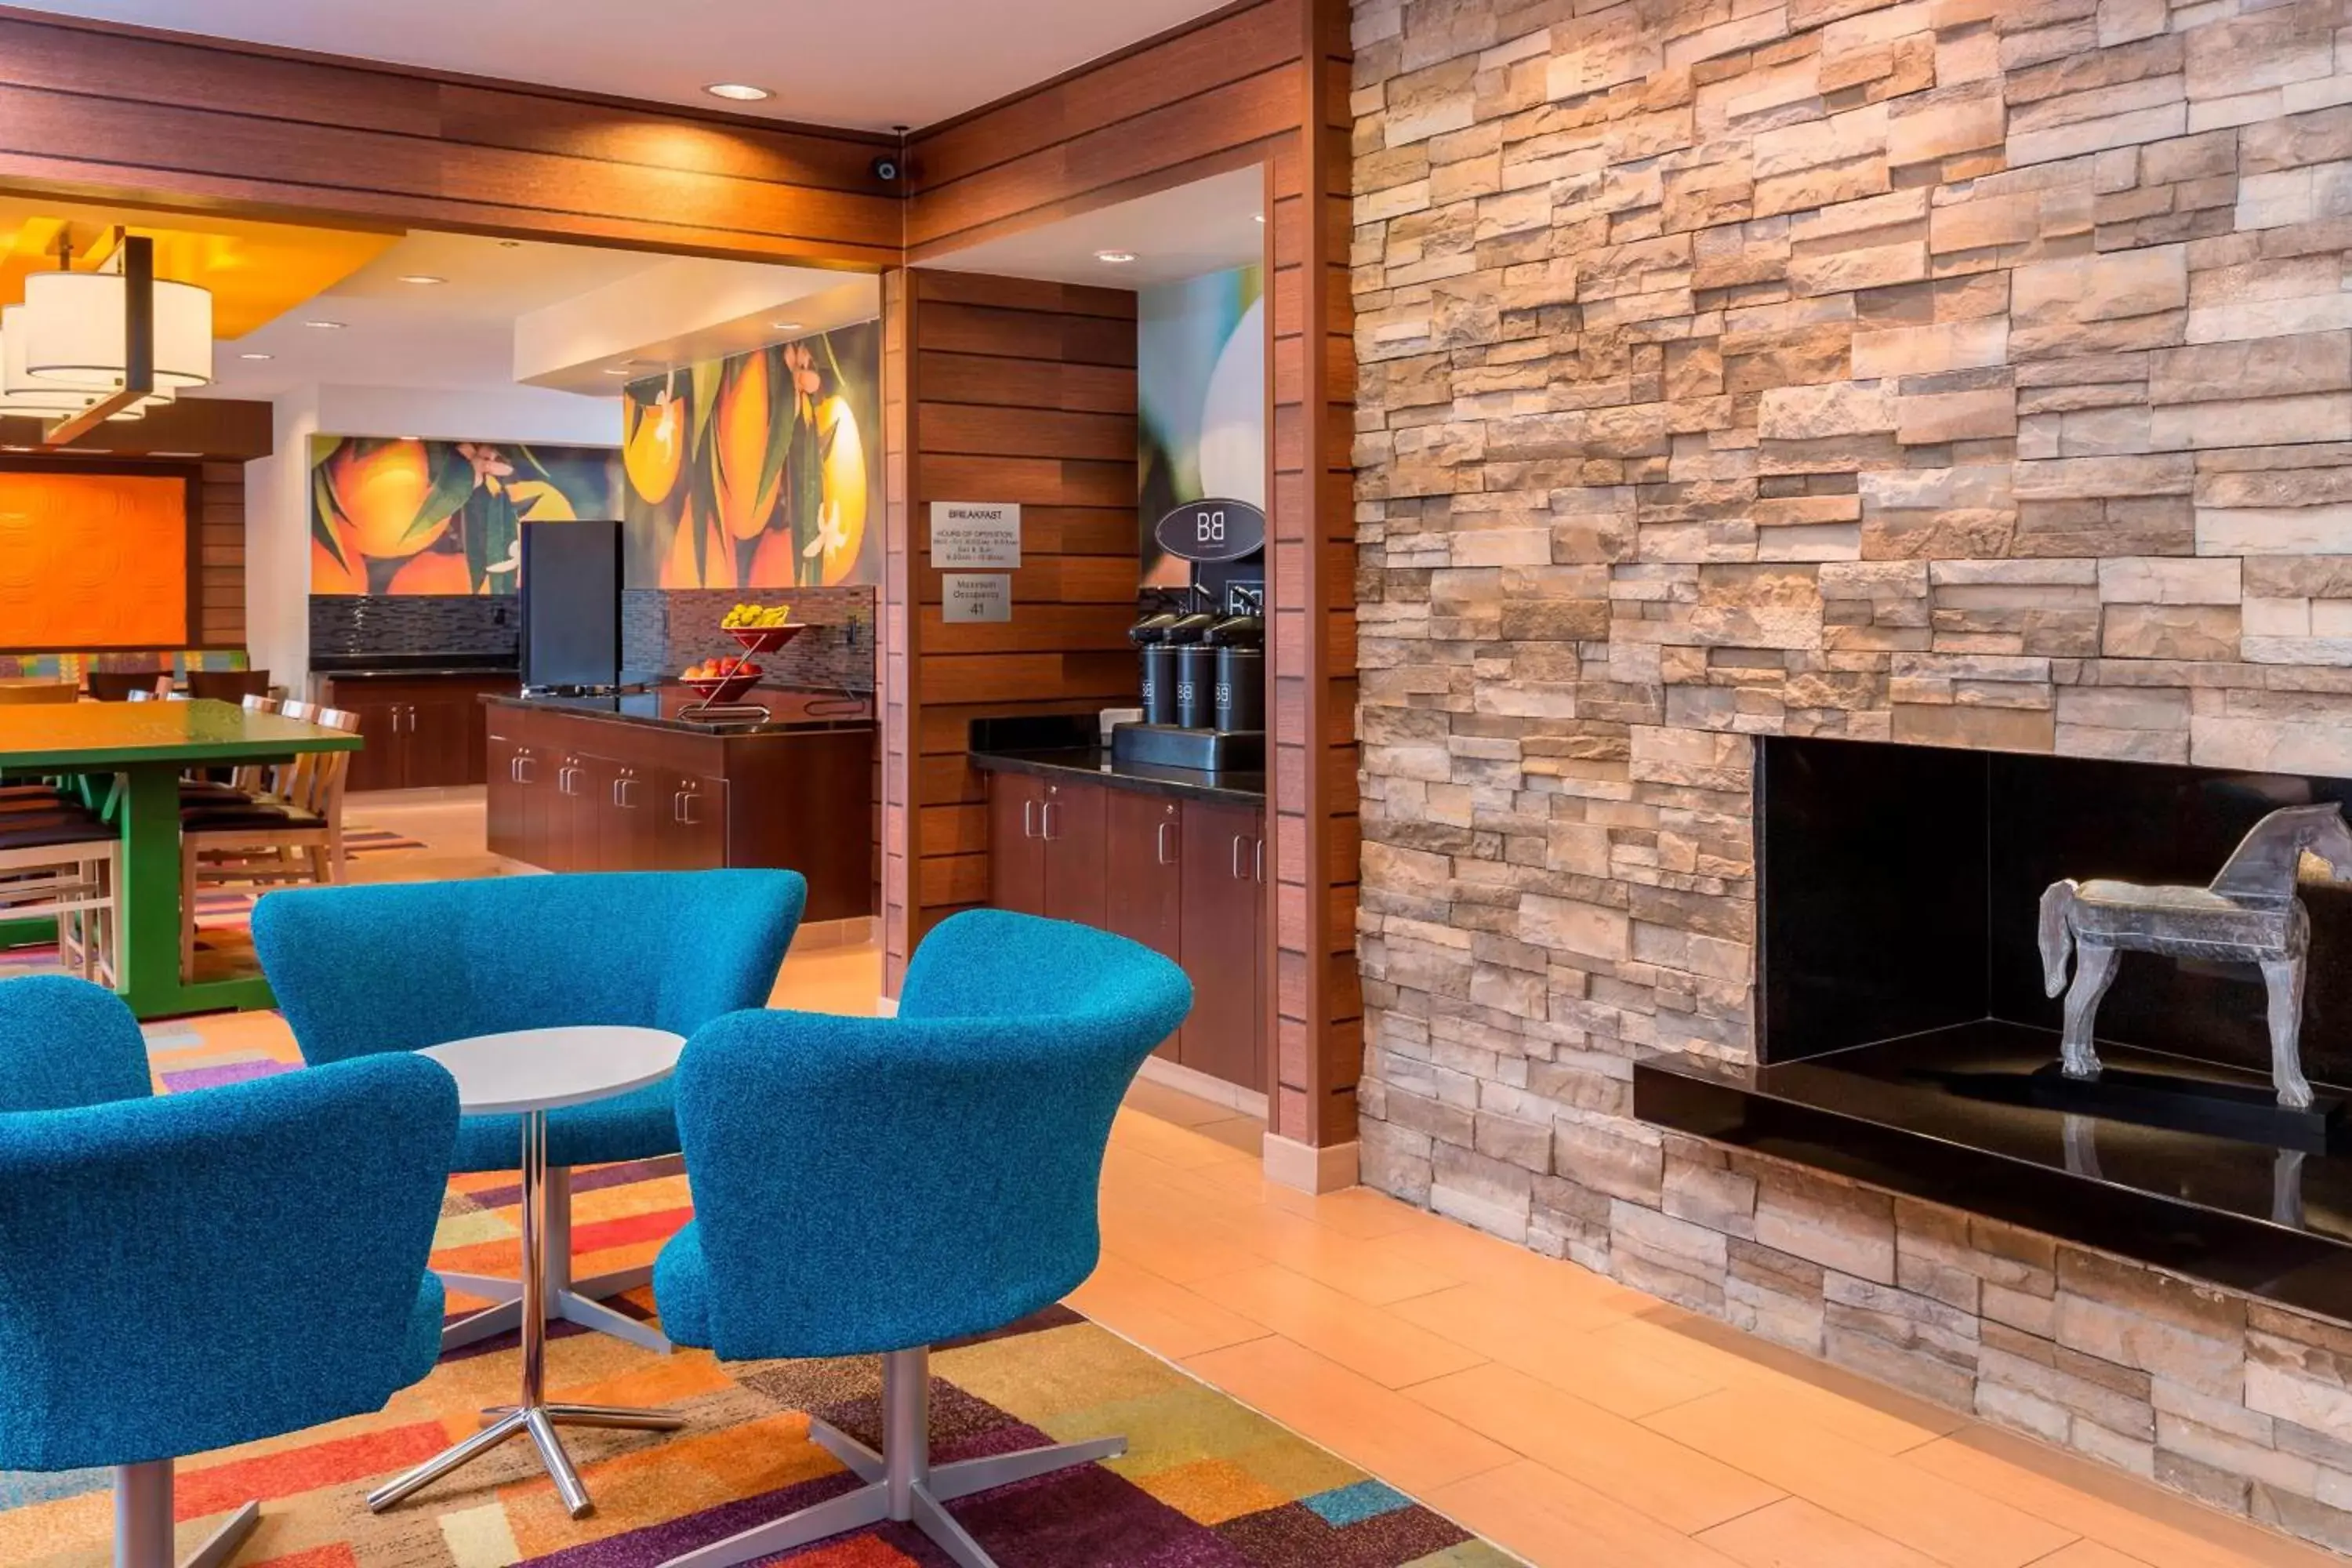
column 2248, row 915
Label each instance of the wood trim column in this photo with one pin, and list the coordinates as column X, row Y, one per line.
column 1318, row 1006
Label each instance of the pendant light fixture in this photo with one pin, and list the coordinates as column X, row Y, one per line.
column 86, row 347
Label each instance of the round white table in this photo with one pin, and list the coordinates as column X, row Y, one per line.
column 528, row 1073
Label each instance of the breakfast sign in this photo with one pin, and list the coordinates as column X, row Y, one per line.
column 967, row 535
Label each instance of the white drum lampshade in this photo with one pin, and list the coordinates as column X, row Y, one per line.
column 21, row 394
column 74, row 331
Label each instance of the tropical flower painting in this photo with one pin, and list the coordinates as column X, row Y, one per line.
column 760, row 471
column 404, row 516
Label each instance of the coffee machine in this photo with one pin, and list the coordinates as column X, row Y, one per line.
column 1202, row 646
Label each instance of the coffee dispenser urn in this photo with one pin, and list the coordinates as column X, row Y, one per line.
column 1149, row 636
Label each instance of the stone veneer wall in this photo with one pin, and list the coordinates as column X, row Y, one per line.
column 1969, row 373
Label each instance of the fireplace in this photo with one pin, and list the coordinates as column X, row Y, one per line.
column 1897, row 888
column 1902, row 1017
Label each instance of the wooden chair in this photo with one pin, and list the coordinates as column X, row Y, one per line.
column 234, row 786
column 127, row 685
column 292, row 837
column 227, row 685
column 64, row 865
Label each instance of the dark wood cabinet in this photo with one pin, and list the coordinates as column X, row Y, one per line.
column 1143, row 881
column 1223, row 942
column 1071, row 821
column 1016, row 851
column 422, row 731
column 1183, row 877
column 572, row 792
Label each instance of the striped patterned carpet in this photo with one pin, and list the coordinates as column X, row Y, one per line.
column 223, row 944
column 1206, row 1483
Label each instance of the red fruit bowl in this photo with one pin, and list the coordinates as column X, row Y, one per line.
column 766, row 639
column 725, row 689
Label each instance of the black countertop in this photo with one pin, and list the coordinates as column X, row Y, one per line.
column 794, row 711
column 411, row 666
column 1094, row 765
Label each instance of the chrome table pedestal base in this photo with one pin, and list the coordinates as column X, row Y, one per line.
column 142, row 1523
column 532, row 1415
column 901, row 1484
column 567, row 1299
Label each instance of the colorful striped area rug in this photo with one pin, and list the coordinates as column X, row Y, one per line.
column 1205, row 1483
column 223, row 916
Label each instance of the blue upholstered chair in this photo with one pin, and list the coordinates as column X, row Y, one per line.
column 868, row 1185
column 181, row 1274
column 363, row 970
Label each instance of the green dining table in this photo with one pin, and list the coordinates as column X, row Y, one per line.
column 150, row 744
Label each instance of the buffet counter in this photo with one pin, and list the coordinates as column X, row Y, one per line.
column 631, row 784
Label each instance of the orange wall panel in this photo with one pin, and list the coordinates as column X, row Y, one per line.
column 93, row 560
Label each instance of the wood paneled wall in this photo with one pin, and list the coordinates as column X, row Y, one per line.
column 219, row 566
column 177, row 119
column 1015, row 391
column 1263, row 83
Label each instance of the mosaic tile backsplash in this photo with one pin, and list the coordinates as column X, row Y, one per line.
column 663, row 631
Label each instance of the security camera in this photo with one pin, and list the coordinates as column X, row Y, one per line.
column 886, row 169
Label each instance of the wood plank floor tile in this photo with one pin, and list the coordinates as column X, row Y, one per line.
column 1159, row 1314
column 1676, row 1484
column 1549, row 1520
column 1950, row 1523
column 2141, row 1521
column 1521, row 1330
column 1794, row 1533
column 1879, row 1418
column 1401, row 1441
column 1384, row 1347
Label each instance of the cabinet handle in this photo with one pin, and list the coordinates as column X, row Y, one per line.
column 1258, row 855
column 1045, row 821
column 1028, row 828
column 685, row 808
column 621, row 793
column 523, row 770
column 1237, row 855
column 1159, row 844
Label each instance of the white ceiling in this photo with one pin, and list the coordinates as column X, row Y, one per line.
column 459, row 333
column 876, row 65
column 1206, row 226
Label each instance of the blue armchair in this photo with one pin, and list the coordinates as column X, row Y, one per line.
column 360, row 971
column 181, row 1274
column 869, row 1185
column 65, row 1042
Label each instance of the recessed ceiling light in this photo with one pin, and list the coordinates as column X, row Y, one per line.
column 421, row 278
column 1260, row 217
column 1115, row 258
column 326, row 326
column 783, row 326
column 511, row 244
column 253, row 356
column 617, row 369
column 739, row 91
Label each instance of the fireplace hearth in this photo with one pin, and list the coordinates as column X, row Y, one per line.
column 1905, row 1038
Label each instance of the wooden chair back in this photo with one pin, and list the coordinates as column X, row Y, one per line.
column 227, row 685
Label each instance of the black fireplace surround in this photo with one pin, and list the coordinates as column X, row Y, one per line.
column 1898, row 976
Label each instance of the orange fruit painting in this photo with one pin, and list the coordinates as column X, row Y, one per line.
column 757, row 472
column 402, row 516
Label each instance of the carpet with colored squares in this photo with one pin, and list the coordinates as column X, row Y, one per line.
column 1205, row 1483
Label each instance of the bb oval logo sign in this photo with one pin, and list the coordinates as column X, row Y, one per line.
column 1212, row 530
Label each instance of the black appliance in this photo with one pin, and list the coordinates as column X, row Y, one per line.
column 572, row 604
column 1161, row 611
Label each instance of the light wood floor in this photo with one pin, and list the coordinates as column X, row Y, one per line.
column 1574, row 1421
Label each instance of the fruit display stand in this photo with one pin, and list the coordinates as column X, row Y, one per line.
column 720, row 695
